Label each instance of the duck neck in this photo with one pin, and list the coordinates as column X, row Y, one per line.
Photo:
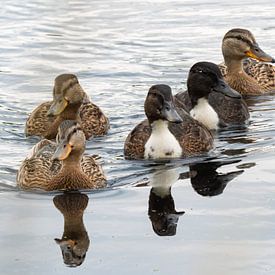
column 161, row 143
column 239, row 80
column 203, row 112
column 234, row 66
column 71, row 175
column 71, row 112
column 159, row 126
column 73, row 160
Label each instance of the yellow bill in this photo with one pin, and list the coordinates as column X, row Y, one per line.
column 57, row 107
column 63, row 151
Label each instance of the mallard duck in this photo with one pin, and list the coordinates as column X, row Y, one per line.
column 210, row 100
column 61, row 165
column 75, row 240
column 168, row 132
column 247, row 76
column 69, row 102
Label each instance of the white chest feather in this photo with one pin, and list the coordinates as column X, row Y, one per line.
column 204, row 113
column 162, row 143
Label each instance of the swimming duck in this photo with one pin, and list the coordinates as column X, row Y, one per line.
column 61, row 165
column 69, row 102
column 247, row 76
column 168, row 132
column 210, row 100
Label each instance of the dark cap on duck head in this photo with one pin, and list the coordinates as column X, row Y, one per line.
column 159, row 104
column 204, row 78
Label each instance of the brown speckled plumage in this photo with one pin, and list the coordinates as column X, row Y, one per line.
column 247, row 76
column 89, row 115
column 42, row 172
column 93, row 121
column 263, row 73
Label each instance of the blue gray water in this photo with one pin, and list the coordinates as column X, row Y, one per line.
column 118, row 49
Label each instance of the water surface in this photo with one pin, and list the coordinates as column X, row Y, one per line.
column 118, row 49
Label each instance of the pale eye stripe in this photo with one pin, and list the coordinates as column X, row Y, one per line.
column 240, row 38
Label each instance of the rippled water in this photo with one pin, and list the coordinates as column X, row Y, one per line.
column 118, row 49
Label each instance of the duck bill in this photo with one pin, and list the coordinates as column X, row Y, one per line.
column 64, row 243
column 57, row 107
column 257, row 53
column 62, row 151
column 170, row 114
column 223, row 88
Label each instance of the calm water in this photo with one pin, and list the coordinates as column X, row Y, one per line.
column 118, row 49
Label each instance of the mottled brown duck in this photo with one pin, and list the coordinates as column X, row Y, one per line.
column 70, row 102
column 244, row 66
column 61, row 165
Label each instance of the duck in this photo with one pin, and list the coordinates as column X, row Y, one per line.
column 168, row 132
column 75, row 241
column 70, row 102
column 61, row 165
column 244, row 67
column 210, row 100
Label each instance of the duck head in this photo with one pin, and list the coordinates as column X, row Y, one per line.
column 159, row 105
column 204, row 78
column 238, row 44
column 71, row 141
column 67, row 93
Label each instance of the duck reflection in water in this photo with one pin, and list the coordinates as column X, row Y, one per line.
column 75, row 240
column 161, row 210
column 206, row 181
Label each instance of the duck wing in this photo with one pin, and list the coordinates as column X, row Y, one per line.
column 37, row 170
column 38, row 123
column 264, row 73
column 134, row 145
column 193, row 137
column 93, row 120
column 93, row 171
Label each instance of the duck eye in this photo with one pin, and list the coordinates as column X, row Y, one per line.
column 64, row 146
column 256, row 50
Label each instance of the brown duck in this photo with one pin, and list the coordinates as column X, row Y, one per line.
column 168, row 132
column 70, row 102
column 61, row 166
column 244, row 68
